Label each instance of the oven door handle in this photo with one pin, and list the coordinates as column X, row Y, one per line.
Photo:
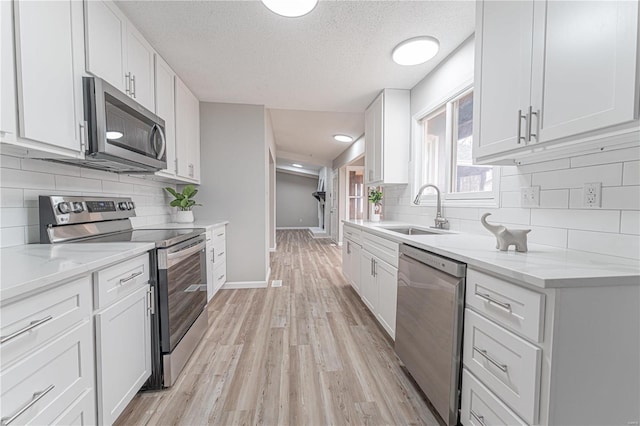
column 171, row 257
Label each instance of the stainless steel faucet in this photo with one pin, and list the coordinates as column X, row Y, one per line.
column 440, row 221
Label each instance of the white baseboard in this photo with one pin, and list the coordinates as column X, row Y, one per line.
column 284, row 228
column 230, row 285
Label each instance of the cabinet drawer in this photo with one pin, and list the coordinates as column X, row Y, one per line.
column 480, row 407
column 49, row 381
column 514, row 307
column 505, row 363
column 117, row 281
column 382, row 248
column 219, row 256
column 220, row 275
column 82, row 411
column 219, row 234
column 354, row 234
column 43, row 317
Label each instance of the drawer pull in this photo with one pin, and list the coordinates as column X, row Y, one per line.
column 220, row 254
column 220, row 235
column 130, row 277
column 478, row 417
column 488, row 298
column 221, row 277
column 36, row 397
column 31, row 326
column 502, row 367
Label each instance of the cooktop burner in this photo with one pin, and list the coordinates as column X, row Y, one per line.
column 162, row 237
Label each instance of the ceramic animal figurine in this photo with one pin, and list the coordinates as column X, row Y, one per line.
column 507, row 237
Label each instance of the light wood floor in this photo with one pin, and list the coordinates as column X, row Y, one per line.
column 306, row 353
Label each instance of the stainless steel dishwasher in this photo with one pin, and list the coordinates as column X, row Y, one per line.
column 429, row 325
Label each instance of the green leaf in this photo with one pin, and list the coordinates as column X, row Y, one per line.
column 175, row 203
column 189, row 191
column 171, row 191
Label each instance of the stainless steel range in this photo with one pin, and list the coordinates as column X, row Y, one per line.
column 179, row 261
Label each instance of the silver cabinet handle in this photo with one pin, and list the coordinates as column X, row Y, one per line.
column 371, row 267
column 130, row 277
column 520, row 137
column 530, row 124
column 133, row 85
column 220, row 254
column 483, row 352
column 479, row 418
column 37, row 396
column 489, row 299
column 375, row 268
column 31, row 326
column 152, row 305
column 127, row 83
column 221, row 277
column 221, row 235
column 348, row 248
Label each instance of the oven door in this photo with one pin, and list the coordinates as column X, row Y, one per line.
column 182, row 289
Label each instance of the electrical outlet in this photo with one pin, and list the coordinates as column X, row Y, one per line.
column 530, row 197
column 592, row 194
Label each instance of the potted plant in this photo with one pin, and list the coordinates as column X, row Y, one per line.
column 375, row 197
column 184, row 202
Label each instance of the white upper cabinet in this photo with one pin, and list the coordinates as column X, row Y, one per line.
column 562, row 74
column 166, row 109
column 117, row 53
column 387, row 124
column 7, row 74
column 187, row 133
column 585, row 73
column 49, row 61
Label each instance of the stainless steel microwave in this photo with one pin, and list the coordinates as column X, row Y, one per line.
column 122, row 135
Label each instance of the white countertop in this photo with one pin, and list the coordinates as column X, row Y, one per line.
column 29, row 268
column 542, row 266
column 197, row 224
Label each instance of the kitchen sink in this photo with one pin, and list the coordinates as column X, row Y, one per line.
column 409, row 230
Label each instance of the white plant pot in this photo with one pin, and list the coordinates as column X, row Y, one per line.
column 374, row 215
column 184, row 216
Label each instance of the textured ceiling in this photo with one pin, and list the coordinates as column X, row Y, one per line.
column 336, row 58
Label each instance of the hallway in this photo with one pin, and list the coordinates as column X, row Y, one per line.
column 306, row 353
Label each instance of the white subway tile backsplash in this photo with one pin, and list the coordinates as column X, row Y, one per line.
column 608, row 174
column 554, row 199
column 11, row 197
column 68, row 183
column 631, row 174
column 510, row 199
column 50, row 167
column 98, row 174
column 507, row 215
column 630, row 222
column 9, row 162
column 615, row 156
column 556, row 237
column 594, row 220
column 18, row 216
column 613, row 198
column 546, row 166
column 515, row 182
column 599, row 242
column 12, row 236
column 116, row 187
column 12, row 178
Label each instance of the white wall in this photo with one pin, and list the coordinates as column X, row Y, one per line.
column 295, row 205
column 355, row 150
column 234, row 186
column 23, row 180
column 560, row 220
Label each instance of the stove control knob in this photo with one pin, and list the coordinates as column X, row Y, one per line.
column 130, row 205
column 122, row 205
column 64, row 208
column 78, row 207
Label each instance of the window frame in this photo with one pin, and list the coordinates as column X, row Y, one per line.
column 474, row 199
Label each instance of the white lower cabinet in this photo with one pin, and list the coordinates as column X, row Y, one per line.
column 379, row 283
column 550, row 356
column 123, row 352
column 216, row 260
column 351, row 253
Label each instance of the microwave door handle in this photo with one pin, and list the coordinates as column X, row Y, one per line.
column 160, row 152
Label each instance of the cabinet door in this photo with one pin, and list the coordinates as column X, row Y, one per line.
column 140, row 65
column 49, row 39
column 585, row 66
column 354, row 267
column 368, row 286
column 502, row 74
column 105, row 42
column 387, row 277
column 123, row 353
column 7, row 74
column 187, row 132
column 373, row 140
column 210, row 265
column 166, row 109
column 346, row 260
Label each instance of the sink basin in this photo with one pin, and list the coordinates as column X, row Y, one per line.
column 411, row 231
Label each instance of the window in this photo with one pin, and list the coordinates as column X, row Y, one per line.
column 446, row 152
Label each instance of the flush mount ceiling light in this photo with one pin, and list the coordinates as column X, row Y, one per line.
column 112, row 135
column 415, row 51
column 343, row 138
column 296, row 165
column 290, row 8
